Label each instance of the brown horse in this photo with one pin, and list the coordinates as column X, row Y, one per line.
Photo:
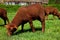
column 3, row 15
column 27, row 14
column 51, row 10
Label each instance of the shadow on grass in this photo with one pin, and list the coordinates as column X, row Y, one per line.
column 2, row 25
column 30, row 30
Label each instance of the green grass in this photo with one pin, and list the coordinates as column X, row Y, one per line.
column 52, row 1
column 52, row 31
column 52, row 28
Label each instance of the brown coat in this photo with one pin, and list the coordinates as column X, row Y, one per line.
column 27, row 14
column 3, row 15
column 51, row 10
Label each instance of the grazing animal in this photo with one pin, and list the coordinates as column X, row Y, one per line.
column 27, row 14
column 3, row 15
column 51, row 10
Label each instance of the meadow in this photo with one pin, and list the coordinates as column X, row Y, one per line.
column 52, row 27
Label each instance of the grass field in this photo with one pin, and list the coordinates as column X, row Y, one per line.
column 52, row 28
